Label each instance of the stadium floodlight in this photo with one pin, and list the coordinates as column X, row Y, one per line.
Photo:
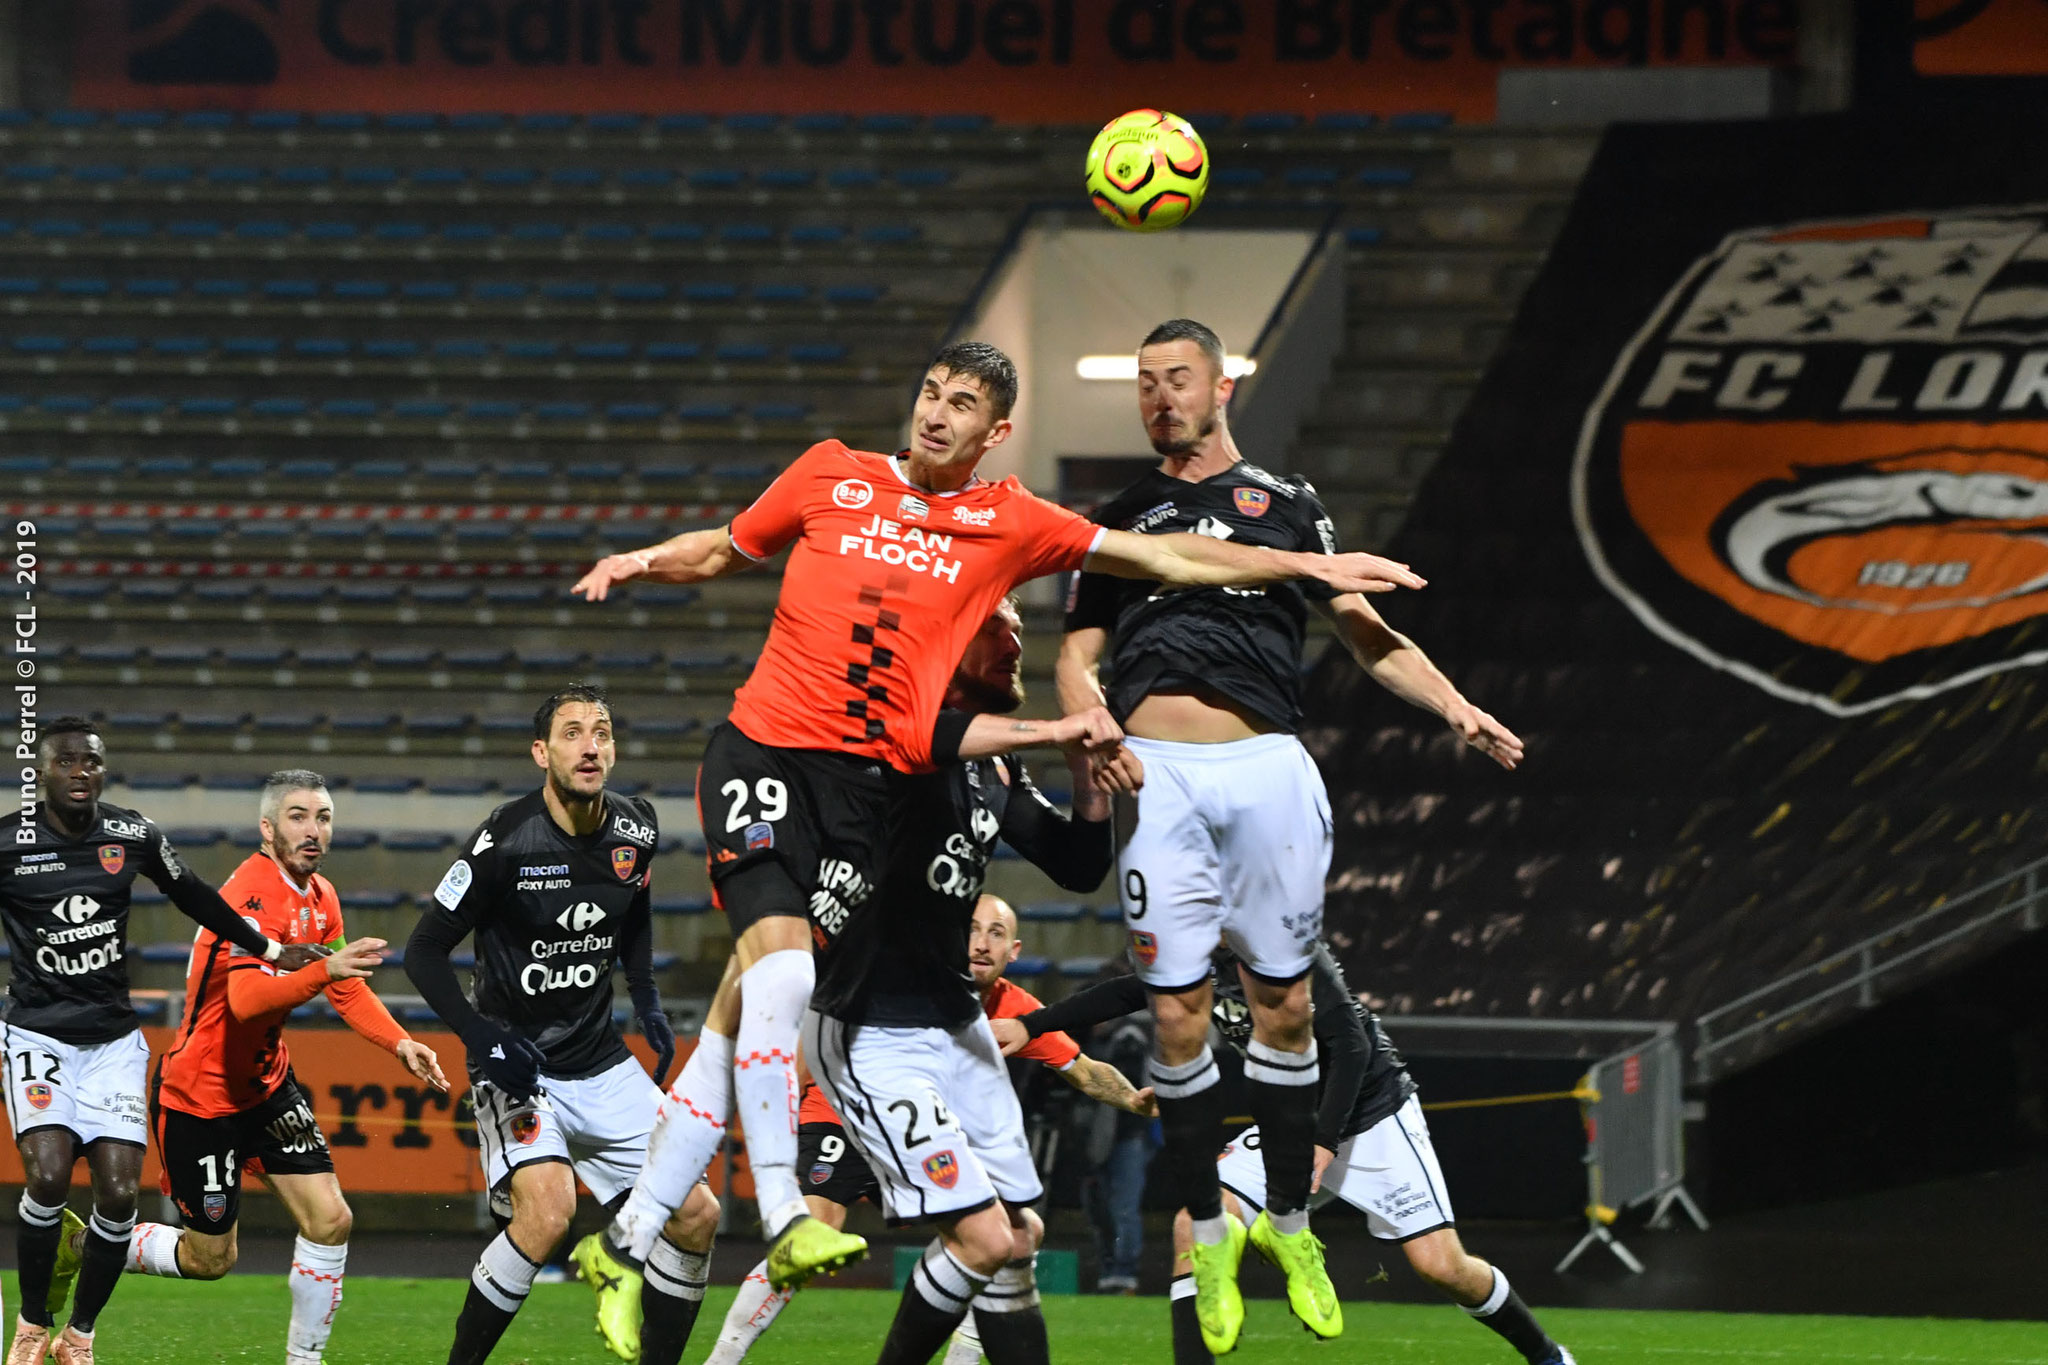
column 1126, row 366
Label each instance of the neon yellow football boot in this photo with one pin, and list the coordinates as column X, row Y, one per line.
column 1218, row 1306
column 65, row 1274
column 618, row 1295
column 810, row 1246
column 1309, row 1291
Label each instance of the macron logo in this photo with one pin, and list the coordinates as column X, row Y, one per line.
column 497, row 1052
column 483, row 841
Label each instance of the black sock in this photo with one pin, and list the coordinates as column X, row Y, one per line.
column 1512, row 1319
column 669, row 1299
column 35, row 1251
column 1283, row 1095
column 1188, row 1348
column 500, row 1283
column 1008, row 1318
column 1191, row 1119
column 1016, row 1337
column 100, row 1264
column 934, row 1302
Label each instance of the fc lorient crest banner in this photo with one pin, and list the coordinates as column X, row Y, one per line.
column 1840, row 430
column 1817, row 458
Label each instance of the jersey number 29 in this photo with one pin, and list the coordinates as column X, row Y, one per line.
column 772, row 796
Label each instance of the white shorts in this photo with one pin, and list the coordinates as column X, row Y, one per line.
column 96, row 1090
column 598, row 1125
column 932, row 1111
column 1388, row 1173
column 1230, row 842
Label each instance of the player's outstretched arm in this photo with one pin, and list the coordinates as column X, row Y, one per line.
column 253, row 994
column 692, row 557
column 203, row 905
column 994, row 736
column 1100, row 1081
column 1191, row 561
column 1106, row 1000
column 1398, row 664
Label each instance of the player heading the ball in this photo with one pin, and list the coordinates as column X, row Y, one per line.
column 895, row 562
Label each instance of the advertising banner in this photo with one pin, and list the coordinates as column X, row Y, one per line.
column 1079, row 61
column 389, row 1133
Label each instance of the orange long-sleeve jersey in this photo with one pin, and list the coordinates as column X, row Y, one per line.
column 230, row 1052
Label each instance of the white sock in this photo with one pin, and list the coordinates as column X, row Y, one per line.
column 1211, row 1231
column 677, row 1273
column 1287, row 1224
column 316, row 1296
column 773, row 994
column 965, row 1346
column 503, row 1274
column 153, row 1250
column 688, row 1127
column 753, row 1309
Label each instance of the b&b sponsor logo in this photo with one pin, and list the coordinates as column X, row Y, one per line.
column 1822, row 463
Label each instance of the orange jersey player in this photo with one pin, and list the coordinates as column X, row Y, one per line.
column 225, row 1102
column 897, row 560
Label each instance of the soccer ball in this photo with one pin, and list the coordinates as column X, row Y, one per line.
column 1147, row 170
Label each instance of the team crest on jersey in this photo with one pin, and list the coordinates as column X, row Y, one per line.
column 1253, row 502
column 525, row 1128
column 760, row 835
column 38, row 1095
column 113, row 858
column 216, row 1205
column 912, row 508
column 623, row 862
column 853, row 494
column 943, row 1169
column 821, row 1173
column 1144, row 948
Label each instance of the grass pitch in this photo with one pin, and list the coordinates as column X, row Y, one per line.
column 396, row 1322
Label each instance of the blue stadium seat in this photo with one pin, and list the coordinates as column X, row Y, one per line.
column 1029, row 968
column 1386, row 175
column 1052, row 912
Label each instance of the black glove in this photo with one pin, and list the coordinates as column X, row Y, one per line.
column 660, row 1036
column 509, row 1062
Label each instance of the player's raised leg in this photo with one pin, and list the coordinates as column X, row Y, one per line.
column 689, row 1125
column 1170, row 883
column 1274, row 835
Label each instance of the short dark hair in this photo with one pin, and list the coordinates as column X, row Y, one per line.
column 544, row 718
column 979, row 360
column 67, row 725
column 1187, row 329
column 283, row 782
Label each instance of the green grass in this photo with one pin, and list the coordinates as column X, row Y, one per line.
column 388, row 1322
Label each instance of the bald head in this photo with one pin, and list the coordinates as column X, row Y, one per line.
column 992, row 942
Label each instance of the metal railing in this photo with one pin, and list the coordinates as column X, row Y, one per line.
column 1751, row 1026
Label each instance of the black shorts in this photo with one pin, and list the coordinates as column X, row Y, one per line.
column 833, row 1167
column 798, row 832
column 204, row 1158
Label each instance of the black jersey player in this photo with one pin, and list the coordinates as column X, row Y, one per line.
column 555, row 888
column 1231, row 836
column 897, row 1037
column 77, row 1064
column 1372, row 1150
